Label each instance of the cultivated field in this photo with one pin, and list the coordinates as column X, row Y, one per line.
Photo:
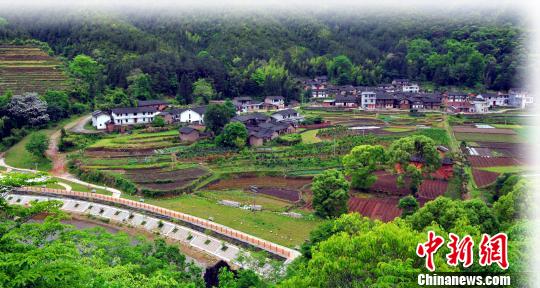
column 29, row 69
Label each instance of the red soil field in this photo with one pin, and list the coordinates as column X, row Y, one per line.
column 479, row 161
column 384, row 209
column 431, row 189
column 244, row 182
column 386, row 183
column 484, row 178
column 281, row 193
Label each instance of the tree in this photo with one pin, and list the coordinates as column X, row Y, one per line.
column 139, row 85
column 418, row 148
column 361, row 162
column 113, row 98
column 88, row 70
column 340, row 70
column 28, row 109
column 203, row 91
column 58, row 105
column 330, row 194
column 37, row 144
column 234, row 135
column 158, row 121
column 217, row 116
column 408, row 204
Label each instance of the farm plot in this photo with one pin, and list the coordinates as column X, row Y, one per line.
column 484, row 178
column 29, row 69
column 513, row 150
column 287, row 189
column 485, row 137
column 431, row 189
column 384, row 209
column 163, row 179
column 479, row 161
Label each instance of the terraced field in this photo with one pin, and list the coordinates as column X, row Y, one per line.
column 29, row 69
column 140, row 158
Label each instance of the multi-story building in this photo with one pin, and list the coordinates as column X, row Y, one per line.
column 133, row 115
column 519, row 97
column 410, row 88
column 368, row 99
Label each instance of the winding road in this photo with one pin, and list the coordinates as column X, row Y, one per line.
column 59, row 162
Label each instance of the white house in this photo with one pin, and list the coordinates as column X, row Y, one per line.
column 100, row 119
column 519, row 97
column 496, row 99
column 368, row 99
column 411, row 88
column 277, row 101
column 133, row 115
column 479, row 105
column 192, row 115
column 288, row 115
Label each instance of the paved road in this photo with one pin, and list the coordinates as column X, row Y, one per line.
column 78, row 126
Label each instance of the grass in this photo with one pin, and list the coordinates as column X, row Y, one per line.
column 18, row 157
column 268, row 225
column 398, row 129
column 82, row 188
column 310, row 136
column 477, row 137
column 246, row 198
column 506, row 169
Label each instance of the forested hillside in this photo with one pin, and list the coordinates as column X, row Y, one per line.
column 262, row 54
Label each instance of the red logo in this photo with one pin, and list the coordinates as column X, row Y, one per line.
column 429, row 248
column 494, row 250
column 460, row 251
column 491, row 250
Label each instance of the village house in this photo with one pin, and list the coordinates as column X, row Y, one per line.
column 410, row 88
column 384, row 101
column 185, row 115
column 432, row 101
column 262, row 128
column 100, row 119
column 158, row 104
column 519, row 97
column 133, row 115
column 495, row 99
column 368, row 99
column 287, row 115
column 193, row 133
column 346, row 101
column 278, row 102
column 479, row 105
column 317, row 87
column 400, row 82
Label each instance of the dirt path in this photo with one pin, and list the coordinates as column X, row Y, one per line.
column 59, row 159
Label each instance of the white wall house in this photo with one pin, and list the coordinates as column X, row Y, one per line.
column 133, row 115
column 518, row 97
column 411, row 88
column 192, row 115
column 278, row 101
column 100, row 119
column 289, row 115
column 496, row 99
column 479, row 105
column 368, row 99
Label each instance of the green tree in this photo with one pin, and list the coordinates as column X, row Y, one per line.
column 234, row 135
column 139, row 85
column 113, row 98
column 361, row 162
column 37, row 144
column 58, row 105
column 158, row 121
column 203, row 91
column 86, row 68
column 408, row 204
column 218, row 115
column 419, row 148
column 330, row 194
column 340, row 70
column 418, row 50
